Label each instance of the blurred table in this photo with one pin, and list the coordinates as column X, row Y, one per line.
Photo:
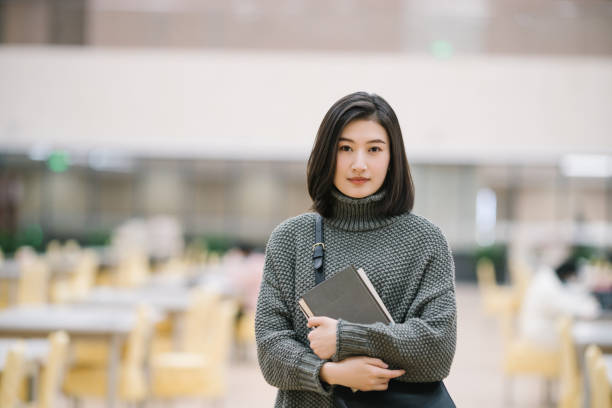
column 598, row 332
column 171, row 300
column 100, row 323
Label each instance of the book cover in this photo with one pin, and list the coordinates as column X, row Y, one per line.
column 348, row 295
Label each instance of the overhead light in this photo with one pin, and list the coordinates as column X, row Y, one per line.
column 107, row 160
column 39, row 152
column 486, row 216
column 586, row 165
column 442, row 49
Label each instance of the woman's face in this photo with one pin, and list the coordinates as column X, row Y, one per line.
column 362, row 159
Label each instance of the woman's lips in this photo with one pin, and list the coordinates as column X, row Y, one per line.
column 358, row 180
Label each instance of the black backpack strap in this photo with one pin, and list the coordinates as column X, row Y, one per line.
column 318, row 250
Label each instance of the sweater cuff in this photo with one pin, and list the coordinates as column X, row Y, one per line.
column 351, row 340
column 309, row 367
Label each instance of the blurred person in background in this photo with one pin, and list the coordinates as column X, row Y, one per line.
column 551, row 294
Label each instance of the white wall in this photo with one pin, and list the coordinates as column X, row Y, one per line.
column 269, row 105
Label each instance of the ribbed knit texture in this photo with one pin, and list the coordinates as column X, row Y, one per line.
column 409, row 263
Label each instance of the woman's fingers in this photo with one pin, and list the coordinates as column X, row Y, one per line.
column 389, row 374
column 377, row 362
column 315, row 321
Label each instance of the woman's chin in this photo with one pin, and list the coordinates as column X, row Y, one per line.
column 353, row 192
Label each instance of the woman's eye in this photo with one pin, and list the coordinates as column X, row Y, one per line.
column 375, row 149
column 345, row 148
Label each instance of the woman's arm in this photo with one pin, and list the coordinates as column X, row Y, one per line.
column 424, row 346
column 285, row 362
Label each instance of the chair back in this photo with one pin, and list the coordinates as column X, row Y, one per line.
column 600, row 391
column 599, row 394
column 521, row 276
column 133, row 381
column 71, row 246
column 85, row 274
column 198, row 320
column 53, row 372
column 132, row 269
column 485, row 274
column 33, row 282
column 569, row 375
column 221, row 335
column 12, row 377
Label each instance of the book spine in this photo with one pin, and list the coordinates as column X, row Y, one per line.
column 305, row 309
column 364, row 279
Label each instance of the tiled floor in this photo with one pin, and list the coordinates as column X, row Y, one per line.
column 475, row 381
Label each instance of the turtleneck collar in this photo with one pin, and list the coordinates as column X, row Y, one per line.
column 357, row 214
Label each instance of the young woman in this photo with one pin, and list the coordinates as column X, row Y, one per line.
column 360, row 183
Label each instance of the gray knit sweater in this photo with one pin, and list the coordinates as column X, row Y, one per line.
column 409, row 263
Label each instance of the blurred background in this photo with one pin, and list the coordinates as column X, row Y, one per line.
column 148, row 149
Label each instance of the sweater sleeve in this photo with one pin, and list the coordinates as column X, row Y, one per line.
column 424, row 345
column 285, row 362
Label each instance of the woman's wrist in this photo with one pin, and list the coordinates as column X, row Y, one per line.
column 326, row 373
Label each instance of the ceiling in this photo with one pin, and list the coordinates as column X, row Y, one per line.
column 441, row 27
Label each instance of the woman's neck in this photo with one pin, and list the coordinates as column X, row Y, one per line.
column 358, row 214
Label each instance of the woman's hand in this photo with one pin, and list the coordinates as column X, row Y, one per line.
column 323, row 337
column 360, row 372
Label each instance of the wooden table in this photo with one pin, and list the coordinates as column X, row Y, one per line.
column 598, row 332
column 172, row 300
column 78, row 322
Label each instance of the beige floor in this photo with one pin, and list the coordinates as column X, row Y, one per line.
column 475, row 381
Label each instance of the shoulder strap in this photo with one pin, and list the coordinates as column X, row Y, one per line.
column 318, row 250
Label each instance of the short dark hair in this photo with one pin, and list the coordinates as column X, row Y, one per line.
column 398, row 184
column 567, row 269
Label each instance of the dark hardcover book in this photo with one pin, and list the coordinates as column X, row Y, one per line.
column 348, row 295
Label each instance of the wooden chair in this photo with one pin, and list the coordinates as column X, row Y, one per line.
column 496, row 299
column 12, row 377
column 53, row 246
column 91, row 380
column 522, row 357
column 132, row 270
column 570, row 384
column 599, row 385
column 71, row 246
column 201, row 373
column 53, row 371
column 33, row 282
column 85, row 275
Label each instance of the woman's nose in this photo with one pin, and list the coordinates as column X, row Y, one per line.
column 359, row 163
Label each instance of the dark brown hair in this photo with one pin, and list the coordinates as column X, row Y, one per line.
column 399, row 197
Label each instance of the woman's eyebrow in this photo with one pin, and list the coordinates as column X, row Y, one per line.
column 346, row 139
